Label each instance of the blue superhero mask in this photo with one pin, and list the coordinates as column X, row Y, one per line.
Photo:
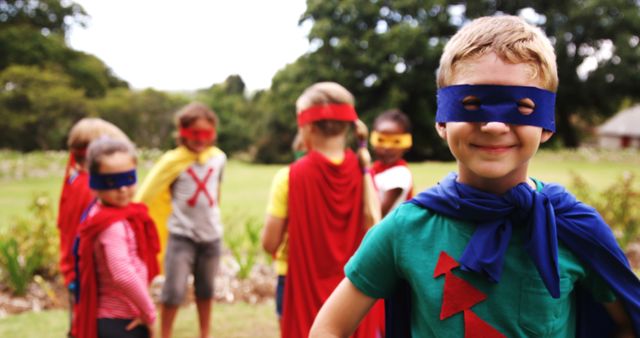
column 496, row 104
column 112, row 181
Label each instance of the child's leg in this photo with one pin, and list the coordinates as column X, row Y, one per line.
column 207, row 261
column 178, row 263
column 116, row 328
column 280, row 297
column 167, row 317
column 204, row 316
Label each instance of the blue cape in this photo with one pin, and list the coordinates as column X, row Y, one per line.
column 549, row 215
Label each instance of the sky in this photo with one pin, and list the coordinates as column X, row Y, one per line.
column 190, row 44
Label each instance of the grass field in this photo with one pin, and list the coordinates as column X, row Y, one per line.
column 244, row 195
column 229, row 321
column 246, row 186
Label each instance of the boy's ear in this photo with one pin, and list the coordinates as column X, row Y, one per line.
column 441, row 128
column 546, row 135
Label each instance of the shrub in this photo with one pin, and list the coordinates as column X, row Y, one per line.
column 245, row 246
column 29, row 246
column 618, row 205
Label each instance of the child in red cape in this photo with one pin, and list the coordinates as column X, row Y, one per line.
column 76, row 195
column 116, row 251
column 318, row 202
column 391, row 139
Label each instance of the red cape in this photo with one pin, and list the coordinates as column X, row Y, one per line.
column 144, row 229
column 379, row 167
column 74, row 200
column 325, row 229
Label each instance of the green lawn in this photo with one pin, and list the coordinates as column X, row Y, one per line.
column 244, row 194
column 600, row 171
column 229, row 321
column 244, row 191
column 246, row 186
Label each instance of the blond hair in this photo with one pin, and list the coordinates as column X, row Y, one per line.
column 90, row 128
column 326, row 93
column 511, row 38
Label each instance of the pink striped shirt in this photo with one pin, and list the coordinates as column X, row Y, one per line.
column 121, row 275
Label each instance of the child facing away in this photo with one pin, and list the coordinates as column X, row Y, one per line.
column 76, row 195
column 116, row 251
column 182, row 191
column 317, row 202
column 391, row 138
column 491, row 252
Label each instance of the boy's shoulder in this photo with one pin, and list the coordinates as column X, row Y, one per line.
column 409, row 216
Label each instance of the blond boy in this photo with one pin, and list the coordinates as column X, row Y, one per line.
column 490, row 252
column 317, row 201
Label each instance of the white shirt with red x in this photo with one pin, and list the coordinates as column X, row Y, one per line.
column 195, row 212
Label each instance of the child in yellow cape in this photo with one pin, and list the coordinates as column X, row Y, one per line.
column 182, row 192
column 155, row 191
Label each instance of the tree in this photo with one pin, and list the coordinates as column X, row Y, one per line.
column 277, row 120
column 237, row 128
column 37, row 107
column 145, row 116
column 46, row 16
column 387, row 52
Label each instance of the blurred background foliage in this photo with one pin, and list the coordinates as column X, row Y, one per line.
column 385, row 52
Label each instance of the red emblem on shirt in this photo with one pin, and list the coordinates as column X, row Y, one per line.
column 459, row 296
column 202, row 186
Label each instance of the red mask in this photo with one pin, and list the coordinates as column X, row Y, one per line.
column 204, row 135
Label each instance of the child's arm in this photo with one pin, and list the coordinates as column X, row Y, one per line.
column 275, row 223
column 620, row 317
column 122, row 272
column 220, row 185
column 342, row 312
column 273, row 233
column 388, row 199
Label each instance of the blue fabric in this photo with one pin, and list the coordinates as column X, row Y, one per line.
column 551, row 214
column 112, row 181
column 280, row 295
column 497, row 103
column 74, row 286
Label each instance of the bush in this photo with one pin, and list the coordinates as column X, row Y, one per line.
column 618, row 205
column 29, row 246
column 245, row 246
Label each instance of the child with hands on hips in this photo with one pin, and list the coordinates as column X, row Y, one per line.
column 116, row 250
column 491, row 251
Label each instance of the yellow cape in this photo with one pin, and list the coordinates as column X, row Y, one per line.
column 155, row 190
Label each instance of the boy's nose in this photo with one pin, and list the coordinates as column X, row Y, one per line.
column 494, row 127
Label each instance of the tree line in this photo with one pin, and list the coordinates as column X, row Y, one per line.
column 385, row 52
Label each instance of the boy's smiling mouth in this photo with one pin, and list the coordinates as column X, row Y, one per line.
column 493, row 148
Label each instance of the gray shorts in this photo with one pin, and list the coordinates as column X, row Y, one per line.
column 185, row 257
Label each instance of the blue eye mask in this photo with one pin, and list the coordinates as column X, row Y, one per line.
column 492, row 103
column 112, row 181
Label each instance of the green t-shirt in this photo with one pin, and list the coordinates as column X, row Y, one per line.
column 406, row 245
